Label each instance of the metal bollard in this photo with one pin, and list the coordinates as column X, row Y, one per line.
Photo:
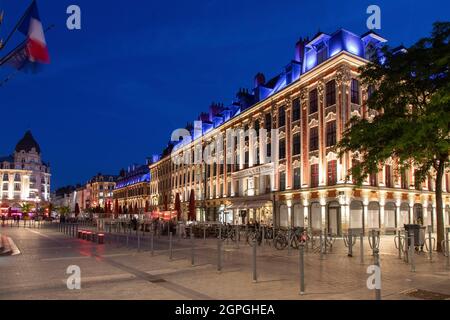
column 411, row 252
column 361, row 242
column 204, row 233
column 430, row 246
column 236, row 235
column 170, row 246
column 192, row 249
column 400, row 244
column 139, row 242
column 321, row 245
column 219, row 251
column 325, row 242
column 447, row 249
column 263, row 236
column 301, row 264
column 255, row 275
column 376, row 258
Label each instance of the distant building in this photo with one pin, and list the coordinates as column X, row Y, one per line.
column 24, row 177
column 132, row 191
column 100, row 189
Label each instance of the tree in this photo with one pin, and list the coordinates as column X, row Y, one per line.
column 26, row 209
column 411, row 94
column 63, row 211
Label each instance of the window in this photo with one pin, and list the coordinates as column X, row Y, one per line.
column 282, row 151
column 405, row 184
column 296, row 109
column 314, row 139
column 16, row 186
column 388, row 176
column 246, row 154
column 331, row 93
column 283, row 181
column 17, row 177
column 256, row 127
column 314, row 175
column 332, row 172
column 281, row 117
column 355, row 91
column 269, row 150
column 268, row 122
column 322, row 54
column 430, row 183
column 297, row 183
column 373, row 179
column 296, row 144
column 331, row 133
column 313, row 103
column 5, row 177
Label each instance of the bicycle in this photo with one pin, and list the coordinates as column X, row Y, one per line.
column 282, row 240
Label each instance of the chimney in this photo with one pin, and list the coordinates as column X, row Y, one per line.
column 259, row 79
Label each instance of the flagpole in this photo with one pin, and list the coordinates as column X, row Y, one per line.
column 8, row 56
column 17, row 25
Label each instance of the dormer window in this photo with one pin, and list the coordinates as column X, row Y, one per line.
column 322, row 53
column 371, row 52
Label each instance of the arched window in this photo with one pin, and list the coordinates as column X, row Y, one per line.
column 389, row 215
column 373, row 215
column 404, row 214
column 356, row 215
column 316, row 216
column 284, row 221
column 298, row 216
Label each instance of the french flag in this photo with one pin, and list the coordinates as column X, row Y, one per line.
column 31, row 26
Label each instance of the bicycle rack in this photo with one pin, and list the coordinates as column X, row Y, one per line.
column 400, row 241
column 349, row 242
column 374, row 240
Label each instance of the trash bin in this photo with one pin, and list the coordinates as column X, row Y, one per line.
column 419, row 234
column 89, row 236
column 100, row 238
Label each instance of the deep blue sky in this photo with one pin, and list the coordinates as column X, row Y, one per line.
column 139, row 69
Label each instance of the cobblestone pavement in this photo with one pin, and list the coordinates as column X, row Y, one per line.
column 114, row 271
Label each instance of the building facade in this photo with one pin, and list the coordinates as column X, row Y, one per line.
column 132, row 192
column 25, row 177
column 100, row 191
column 273, row 155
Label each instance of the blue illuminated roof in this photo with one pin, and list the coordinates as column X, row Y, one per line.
column 309, row 54
column 135, row 176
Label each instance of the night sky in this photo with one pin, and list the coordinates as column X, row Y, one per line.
column 116, row 89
